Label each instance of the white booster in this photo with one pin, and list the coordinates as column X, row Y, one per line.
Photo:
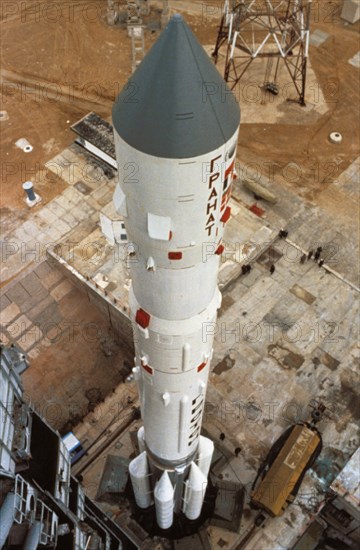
column 176, row 128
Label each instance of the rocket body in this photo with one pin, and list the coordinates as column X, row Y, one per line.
column 175, row 145
column 173, row 302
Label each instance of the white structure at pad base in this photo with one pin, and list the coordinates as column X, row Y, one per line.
column 194, row 492
column 205, row 453
column 164, row 501
column 140, row 479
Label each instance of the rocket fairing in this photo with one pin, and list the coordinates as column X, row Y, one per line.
column 176, row 128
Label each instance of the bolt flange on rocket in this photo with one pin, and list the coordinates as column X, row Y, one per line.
column 176, row 127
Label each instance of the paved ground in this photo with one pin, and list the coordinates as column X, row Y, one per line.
column 281, row 341
column 259, row 107
column 76, row 359
column 332, row 224
column 86, row 190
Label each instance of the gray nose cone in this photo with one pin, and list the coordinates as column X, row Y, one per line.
column 177, row 18
column 176, row 104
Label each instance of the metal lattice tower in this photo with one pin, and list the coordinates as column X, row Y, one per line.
column 224, row 28
column 272, row 29
column 133, row 14
column 137, row 46
column 144, row 7
column 112, row 12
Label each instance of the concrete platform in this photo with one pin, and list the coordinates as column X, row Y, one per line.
column 317, row 38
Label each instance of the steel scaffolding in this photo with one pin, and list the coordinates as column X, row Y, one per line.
column 272, row 29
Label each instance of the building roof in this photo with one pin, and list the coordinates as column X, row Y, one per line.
column 176, row 104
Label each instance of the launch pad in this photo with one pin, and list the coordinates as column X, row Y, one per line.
column 275, row 330
column 182, row 526
column 223, row 500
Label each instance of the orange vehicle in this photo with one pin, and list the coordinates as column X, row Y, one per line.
column 280, row 477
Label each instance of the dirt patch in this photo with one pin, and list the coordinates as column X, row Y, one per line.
column 226, row 364
column 329, row 361
column 227, row 302
column 269, row 257
column 286, row 358
column 302, row 294
column 93, row 395
column 353, row 405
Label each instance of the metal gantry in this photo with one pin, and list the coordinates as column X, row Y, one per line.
column 41, row 504
column 137, row 46
column 272, row 29
column 224, row 32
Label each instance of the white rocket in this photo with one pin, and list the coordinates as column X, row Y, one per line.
column 176, row 127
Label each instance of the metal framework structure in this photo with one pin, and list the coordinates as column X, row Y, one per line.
column 224, row 32
column 272, row 29
column 132, row 11
column 133, row 14
column 137, row 46
column 41, row 504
